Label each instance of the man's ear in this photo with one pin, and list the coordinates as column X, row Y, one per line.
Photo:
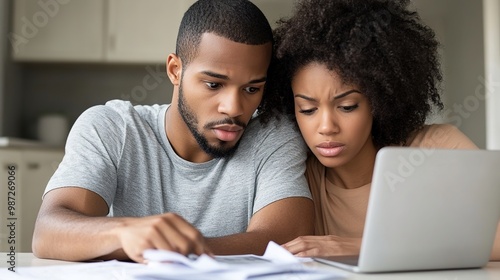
column 174, row 69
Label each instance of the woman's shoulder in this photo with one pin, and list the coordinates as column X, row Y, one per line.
column 444, row 136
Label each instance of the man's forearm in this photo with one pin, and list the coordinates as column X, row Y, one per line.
column 277, row 222
column 67, row 235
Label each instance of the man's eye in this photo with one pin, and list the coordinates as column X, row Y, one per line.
column 252, row 90
column 211, row 85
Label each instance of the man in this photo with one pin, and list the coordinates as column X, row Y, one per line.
column 197, row 176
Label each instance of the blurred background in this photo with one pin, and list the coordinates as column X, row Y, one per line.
column 63, row 56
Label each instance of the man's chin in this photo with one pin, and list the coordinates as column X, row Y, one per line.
column 221, row 151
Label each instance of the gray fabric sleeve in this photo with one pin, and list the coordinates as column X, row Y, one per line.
column 281, row 166
column 92, row 153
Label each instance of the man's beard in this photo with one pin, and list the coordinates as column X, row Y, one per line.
column 189, row 117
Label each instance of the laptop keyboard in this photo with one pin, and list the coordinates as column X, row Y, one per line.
column 349, row 260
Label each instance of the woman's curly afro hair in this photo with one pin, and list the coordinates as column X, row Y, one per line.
column 378, row 45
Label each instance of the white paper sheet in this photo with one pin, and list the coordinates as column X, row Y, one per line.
column 105, row 270
column 276, row 263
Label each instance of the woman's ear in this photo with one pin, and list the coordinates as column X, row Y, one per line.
column 174, row 69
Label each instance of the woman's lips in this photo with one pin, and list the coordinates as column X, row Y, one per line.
column 227, row 133
column 330, row 149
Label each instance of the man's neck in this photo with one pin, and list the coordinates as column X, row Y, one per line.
column 181, row 139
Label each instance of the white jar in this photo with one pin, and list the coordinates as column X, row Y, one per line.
column 52, row 129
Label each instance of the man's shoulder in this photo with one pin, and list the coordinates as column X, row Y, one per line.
column 127, row 108
column 111, row 109
column 117, row 116
column 122, row 111
column 276, row 132
column 281, row 124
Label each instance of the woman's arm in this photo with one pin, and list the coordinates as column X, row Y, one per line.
column 495, row 252
column 326, row 245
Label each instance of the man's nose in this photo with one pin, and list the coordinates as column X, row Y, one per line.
column 231, row 104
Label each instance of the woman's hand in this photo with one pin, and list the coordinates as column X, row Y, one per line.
column 320, row 246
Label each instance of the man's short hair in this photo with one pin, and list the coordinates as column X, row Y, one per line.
column 237, row 20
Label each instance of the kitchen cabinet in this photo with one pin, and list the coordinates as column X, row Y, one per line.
column 143, row 31
column 58, row 31
column 106, row 31
column 127, row 31
column 28, row 170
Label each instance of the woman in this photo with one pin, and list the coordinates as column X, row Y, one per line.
column 364, row 75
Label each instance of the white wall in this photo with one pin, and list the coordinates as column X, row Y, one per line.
column 492, row 71
column 464, row 51
column 459, row 28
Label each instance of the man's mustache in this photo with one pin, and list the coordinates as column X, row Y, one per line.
column 228, row 121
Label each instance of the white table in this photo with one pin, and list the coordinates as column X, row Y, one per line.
column 491, row 271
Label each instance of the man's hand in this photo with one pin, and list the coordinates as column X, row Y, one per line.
column 320, row 246
column 168, row 232
column 72, row 225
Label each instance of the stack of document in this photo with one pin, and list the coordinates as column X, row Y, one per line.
column 276, row 263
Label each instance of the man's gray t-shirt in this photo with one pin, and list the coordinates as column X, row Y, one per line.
column 121, row 152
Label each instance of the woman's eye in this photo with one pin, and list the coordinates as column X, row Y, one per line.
column 307, row 111
column 348, row 108
column 211, row 85
column 252, row 90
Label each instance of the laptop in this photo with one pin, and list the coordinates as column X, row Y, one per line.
column 428, row 209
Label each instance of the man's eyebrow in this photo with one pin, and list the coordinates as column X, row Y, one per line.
column 215, row 75
column 256, row 81
column 346, row 93
column 224, row 77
